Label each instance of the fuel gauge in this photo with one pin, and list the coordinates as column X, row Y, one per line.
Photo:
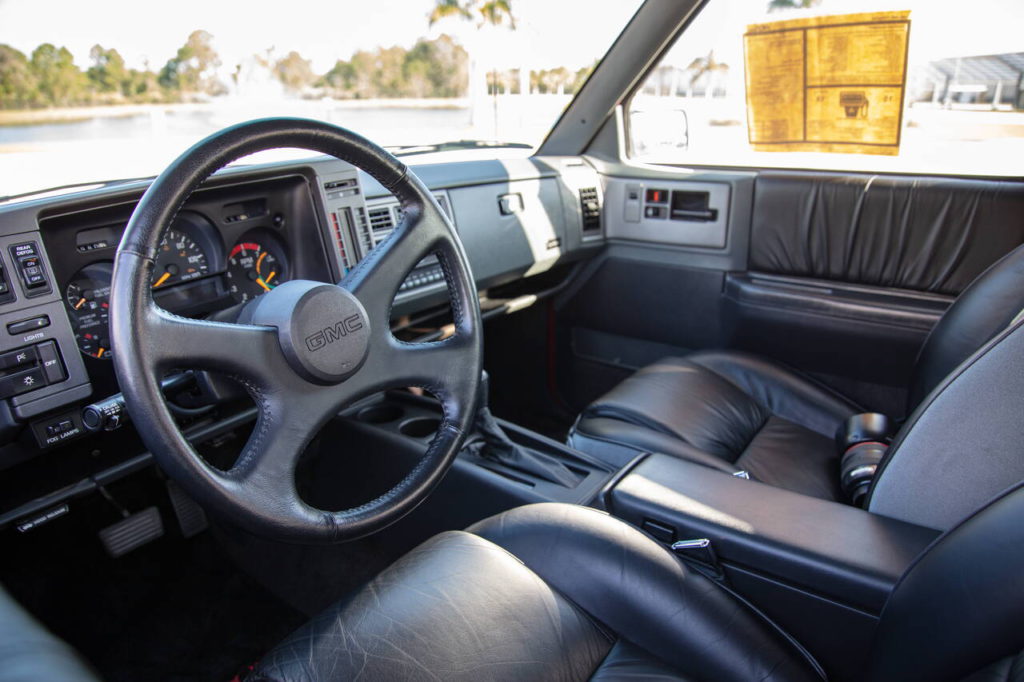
column 88, row 297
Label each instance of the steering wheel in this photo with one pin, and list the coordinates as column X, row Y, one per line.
column 303, row 350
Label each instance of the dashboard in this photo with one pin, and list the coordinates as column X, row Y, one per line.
column 244, row 232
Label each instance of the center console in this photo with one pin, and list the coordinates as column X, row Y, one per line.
column 821, row 570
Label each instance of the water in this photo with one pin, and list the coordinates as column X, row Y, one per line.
column 196, row 124
column 103, row 146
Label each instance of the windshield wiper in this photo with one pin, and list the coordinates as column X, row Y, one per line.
column 98, row 184
column 410, row 150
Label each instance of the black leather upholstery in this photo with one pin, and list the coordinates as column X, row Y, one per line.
column 962, row 445
column 958, row 608
column 545, row 592
column 731, row 411
column 28, row 653
column 983, row 310
column 552, row 591
column 909, row 232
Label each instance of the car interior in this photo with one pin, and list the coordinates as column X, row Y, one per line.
column 572, row 415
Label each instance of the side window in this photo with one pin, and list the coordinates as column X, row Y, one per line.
column 914, row 86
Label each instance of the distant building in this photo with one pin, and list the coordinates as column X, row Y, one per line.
column 972, row 82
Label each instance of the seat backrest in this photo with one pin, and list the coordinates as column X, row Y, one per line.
column 963, row 444
column 958, row 609
column 984, row 309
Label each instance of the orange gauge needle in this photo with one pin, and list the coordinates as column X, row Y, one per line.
column 80, row 303
column 100, row 352
column 270, row 277
column 163, row 278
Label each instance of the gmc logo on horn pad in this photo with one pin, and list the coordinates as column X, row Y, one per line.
column 352, row 323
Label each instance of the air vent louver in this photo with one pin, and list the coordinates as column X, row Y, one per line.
column 590, row 210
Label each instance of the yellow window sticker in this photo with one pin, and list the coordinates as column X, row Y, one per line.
column 827, row 84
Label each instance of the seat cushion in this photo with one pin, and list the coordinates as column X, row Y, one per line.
column 544, row 592
column 728, row 410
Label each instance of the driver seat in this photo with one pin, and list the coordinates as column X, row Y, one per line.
column 561, row 592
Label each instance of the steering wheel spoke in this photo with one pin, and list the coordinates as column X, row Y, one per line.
column 250, row 352
column 375, row 279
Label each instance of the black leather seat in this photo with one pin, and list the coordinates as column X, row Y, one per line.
column 558, row 592
column 738, row 412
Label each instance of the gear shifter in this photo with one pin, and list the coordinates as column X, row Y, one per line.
column 493, row 444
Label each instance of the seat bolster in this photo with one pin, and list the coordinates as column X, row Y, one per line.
column 629, row 662
column 619, row 442
column 455, row 608
column 783, row 391
column 639, row 590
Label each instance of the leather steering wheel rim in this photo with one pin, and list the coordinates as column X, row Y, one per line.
column 303, row 350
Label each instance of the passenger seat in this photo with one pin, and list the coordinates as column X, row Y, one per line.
column 749, row 416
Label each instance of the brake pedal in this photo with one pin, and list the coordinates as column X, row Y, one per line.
column 131, row 532
column 191, row 517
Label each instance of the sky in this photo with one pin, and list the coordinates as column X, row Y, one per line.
column 320, row 30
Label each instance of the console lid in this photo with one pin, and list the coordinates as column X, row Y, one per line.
column 831, row 549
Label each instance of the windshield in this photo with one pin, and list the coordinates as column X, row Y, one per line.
column 100, row 91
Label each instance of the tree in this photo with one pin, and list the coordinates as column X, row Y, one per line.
column 194, row 68
column 108, row 72
column 491, row 13
column 341, row 79
column 441, row 64
column 294, row 72
column 18, row 84
column 60, row 82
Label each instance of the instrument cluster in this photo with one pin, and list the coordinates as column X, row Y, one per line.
column 193, row 267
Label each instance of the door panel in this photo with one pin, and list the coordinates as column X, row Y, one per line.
column 845, row 276
column 921, row 234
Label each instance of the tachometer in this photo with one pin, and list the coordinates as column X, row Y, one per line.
column 179, row 259
column 254, row 268
column 88, row 297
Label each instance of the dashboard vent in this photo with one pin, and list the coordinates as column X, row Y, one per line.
column 382, row 221
column 590, row 209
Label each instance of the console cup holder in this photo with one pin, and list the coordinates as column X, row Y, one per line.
column 420, row 427
column 380, row 414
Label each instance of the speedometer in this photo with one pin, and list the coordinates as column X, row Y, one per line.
column 179, row 259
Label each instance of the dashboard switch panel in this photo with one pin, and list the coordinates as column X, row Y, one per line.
column 18, row 358
column 6, row 293
column 29, row 325
column 30, row 267
column 54, row 430
column 30, row 368
column 49, row 358
column 22, row 381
